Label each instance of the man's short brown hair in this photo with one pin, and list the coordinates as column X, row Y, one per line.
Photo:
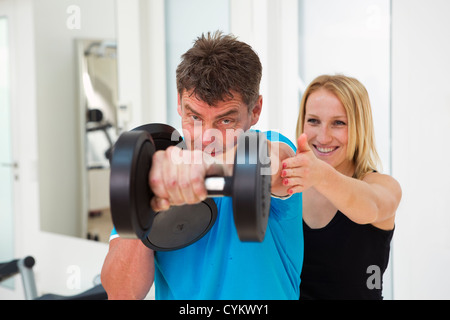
column 218, row 65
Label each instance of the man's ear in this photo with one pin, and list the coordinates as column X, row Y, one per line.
column 256, row 111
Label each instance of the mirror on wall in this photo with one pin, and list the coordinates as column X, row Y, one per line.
column 97, row 71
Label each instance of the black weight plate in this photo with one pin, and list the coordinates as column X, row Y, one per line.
column 163, row 135
column 251, row 187
column 181, row 226
column 129, row 192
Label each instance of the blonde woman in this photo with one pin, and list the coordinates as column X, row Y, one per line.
column 348, row 205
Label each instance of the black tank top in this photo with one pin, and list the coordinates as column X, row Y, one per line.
column 344, row 260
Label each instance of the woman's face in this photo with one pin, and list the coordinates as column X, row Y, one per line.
column 326, row 125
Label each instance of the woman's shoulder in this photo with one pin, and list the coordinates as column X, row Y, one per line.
column 384, row 181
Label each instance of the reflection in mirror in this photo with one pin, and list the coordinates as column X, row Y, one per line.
column 99, row 95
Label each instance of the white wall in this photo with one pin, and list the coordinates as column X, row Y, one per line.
column 142, row 61
column 58, row 125
column 420, row 158
column 351, row 37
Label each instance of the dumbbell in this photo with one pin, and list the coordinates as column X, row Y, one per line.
column 181, row 226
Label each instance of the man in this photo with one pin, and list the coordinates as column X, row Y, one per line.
column 218, row 95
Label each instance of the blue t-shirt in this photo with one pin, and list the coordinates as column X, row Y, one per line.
column 221, row 267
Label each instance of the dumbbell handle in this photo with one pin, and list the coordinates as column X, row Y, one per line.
column 218, row 186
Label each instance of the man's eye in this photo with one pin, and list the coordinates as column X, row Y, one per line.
column 195, row 118
column 226, row 121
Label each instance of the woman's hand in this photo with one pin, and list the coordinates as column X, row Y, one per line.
column 303, row 170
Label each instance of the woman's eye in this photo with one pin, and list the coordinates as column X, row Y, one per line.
column 339, row 123
column 313, row 121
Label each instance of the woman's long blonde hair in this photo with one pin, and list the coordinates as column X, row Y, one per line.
column 353, row 95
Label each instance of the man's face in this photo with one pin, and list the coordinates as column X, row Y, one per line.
column 214, row 130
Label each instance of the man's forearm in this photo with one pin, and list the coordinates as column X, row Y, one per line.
column 128, row 270
column 279, row 151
